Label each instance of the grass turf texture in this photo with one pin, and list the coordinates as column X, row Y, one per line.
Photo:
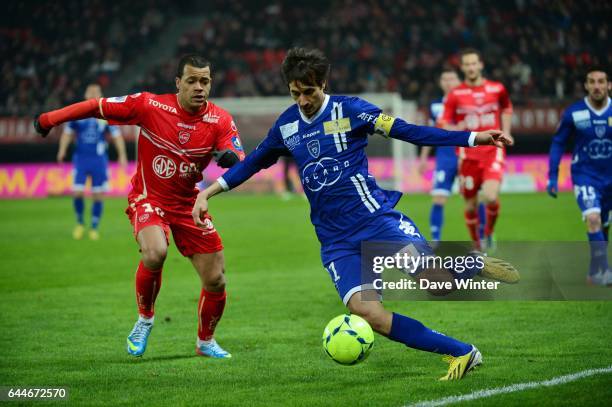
column 67, row 306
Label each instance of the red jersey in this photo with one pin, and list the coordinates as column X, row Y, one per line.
column 480, row 108
column 174, row 145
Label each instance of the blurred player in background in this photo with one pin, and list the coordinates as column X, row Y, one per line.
column 327, row 136
column 90, row 159
column 589, row 121
column 446, row 162
column 479, row 104
column 179, row 135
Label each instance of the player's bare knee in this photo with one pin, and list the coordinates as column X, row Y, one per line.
column 593, row 221
column 371, row 311
column 215, row 282
column 153, row 257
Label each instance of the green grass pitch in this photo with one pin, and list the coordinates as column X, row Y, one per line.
column 66, row 308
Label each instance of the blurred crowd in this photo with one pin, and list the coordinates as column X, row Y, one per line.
column 52, row 49
column 537, row 48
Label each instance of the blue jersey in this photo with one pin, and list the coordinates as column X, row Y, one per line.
column 90, row 135
column 329, row 150
column 592, row 130
column 446, row 157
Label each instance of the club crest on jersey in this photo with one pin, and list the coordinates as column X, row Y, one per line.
column 337, row 126
column 163, row 166
column 314, row 148
column 143, row 218
column 600, row 131
column 183, row 137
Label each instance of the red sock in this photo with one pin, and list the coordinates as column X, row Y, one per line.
column 492, row 212
column 472, row 223
column 148, row 283
column 210, row 310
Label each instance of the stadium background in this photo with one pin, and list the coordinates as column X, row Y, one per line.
column 538, row 49
column 66, row 306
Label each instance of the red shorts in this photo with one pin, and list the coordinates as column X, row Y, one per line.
column 472, row 174
column 189, row 238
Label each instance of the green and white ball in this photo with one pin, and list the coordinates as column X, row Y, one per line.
column 348, row 339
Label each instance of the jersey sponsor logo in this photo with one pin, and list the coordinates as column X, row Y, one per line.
column 289, row 129
column 492, row 88
column 236, row 143
column 323, row 173
column 383, row 125
column 599, row 149
column 292, row 141
column 116, row 99
column 337, row 126
column 582, row 119
column 370, row 118
column 314, row 148
column 162, row 106
column 600, row 131
column 211, row 118
column 311, row 134
column 610, row 121
column 188, row 169
column 407, row 227
column 183, row 136
column 163, row 166
column 186, row 126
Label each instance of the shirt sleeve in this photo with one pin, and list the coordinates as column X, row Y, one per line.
column 123, row 109
column 377, row 122
column 264, row 156
column 448, row 111
column 557, row 146
column 505, row 105
column 229, row 137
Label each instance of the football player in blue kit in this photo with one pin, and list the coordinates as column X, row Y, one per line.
column 589, row 121
column 327, row 135
column 90, row 159
column 446, row 163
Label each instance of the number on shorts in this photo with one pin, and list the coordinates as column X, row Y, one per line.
column 150, row 209
column 333, row 272
column 587, row 191
column 467, row 182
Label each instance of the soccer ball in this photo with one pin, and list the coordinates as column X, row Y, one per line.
column 347, row 339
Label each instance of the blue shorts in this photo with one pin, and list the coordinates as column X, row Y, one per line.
column 95, row 168
column 593, row 196
column 443, row 178
column 343, row 260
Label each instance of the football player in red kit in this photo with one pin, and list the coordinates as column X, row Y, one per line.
column 179, row 135
column 479, row 104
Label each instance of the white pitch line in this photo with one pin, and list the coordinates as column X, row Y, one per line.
column 480, row 394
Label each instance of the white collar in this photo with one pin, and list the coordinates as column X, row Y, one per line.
column 600, row 111
column 316, row 116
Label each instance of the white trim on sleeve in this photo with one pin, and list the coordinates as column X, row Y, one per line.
column 223, row 184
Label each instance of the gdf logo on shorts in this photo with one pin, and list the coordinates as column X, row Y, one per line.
column 163, row 166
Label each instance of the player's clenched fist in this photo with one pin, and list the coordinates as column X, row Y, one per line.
column 493, row 137
column 200, row 208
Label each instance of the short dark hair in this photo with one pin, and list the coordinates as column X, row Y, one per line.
column 468, row 51
column 448, row 70
column 195, row 60
column 595, row 68
column 308, row 66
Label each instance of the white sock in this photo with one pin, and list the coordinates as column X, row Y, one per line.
column 145, row 319
column 200, row 342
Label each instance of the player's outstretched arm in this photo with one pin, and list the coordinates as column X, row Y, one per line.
column 557, row 147
column 493, row 138
column 81, row 110
column 200, row 208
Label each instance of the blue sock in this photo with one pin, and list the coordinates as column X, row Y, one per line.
column 482, row 217
column 79, row 208
column 96, row 214
column 415, row 335
column 599, row 255
column 436, row 220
